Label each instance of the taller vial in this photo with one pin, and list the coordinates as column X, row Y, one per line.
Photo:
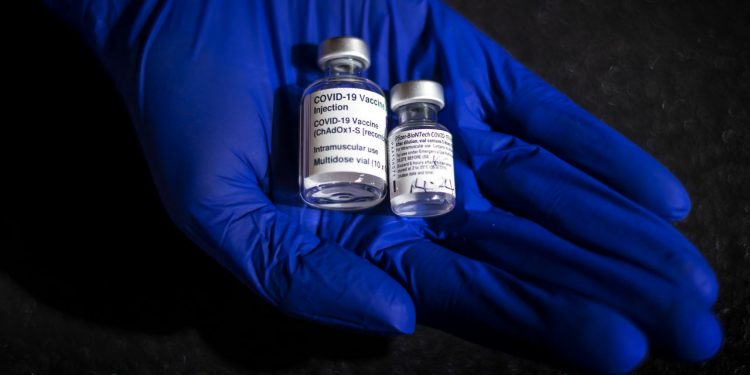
column 343, row 128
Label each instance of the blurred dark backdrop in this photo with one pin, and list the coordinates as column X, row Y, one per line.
column 85, row 290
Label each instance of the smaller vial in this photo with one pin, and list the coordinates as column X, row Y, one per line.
column 421, row 175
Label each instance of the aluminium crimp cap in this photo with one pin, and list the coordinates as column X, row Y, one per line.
column 343, row 47
column 421, row 91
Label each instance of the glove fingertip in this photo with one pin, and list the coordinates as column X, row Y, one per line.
column 396, row 315
column 621, row 346
column 335, row 287
column 629, row 351
column 391, row 313
column 704, row 281
column 675, row 204
column 701, row 336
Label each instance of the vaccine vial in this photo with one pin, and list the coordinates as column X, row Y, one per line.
column 420, row 152
column 343, row 126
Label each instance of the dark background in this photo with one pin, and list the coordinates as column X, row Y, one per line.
column 83, row 289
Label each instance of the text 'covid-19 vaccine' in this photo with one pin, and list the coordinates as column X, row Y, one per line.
column 343, row 129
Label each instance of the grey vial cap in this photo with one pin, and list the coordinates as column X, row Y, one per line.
column 421, row 91
column 343, row 47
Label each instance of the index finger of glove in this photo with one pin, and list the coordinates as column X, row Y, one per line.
column 490, row 84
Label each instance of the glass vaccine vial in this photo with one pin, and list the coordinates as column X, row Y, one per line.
column 343, row 127
column 420, row 152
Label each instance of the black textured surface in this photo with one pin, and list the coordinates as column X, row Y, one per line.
column 84, row 290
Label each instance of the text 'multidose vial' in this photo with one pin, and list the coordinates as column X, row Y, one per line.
column 343, row 120
column 420, row 151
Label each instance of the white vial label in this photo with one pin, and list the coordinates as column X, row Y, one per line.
column 421, row 161
column 347, row 131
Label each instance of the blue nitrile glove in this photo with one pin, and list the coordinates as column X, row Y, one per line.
column 559, row 249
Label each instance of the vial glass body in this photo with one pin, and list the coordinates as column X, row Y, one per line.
column 342, row 145
column 422, row 182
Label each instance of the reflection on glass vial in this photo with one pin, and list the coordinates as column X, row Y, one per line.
column 343, row 120
column 420, row 152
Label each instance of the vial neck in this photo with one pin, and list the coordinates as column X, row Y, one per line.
column 344, row 67
column 417, row 112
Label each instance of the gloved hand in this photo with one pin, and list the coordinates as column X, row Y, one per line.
column 559, row 249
